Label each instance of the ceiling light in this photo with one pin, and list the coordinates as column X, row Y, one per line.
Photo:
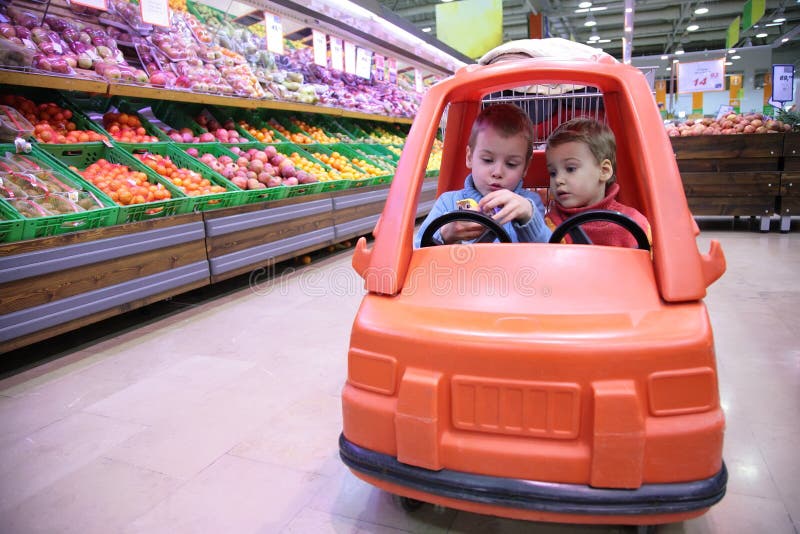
column 584, row 5
column 445, row 1
column 426, row 29
column 594, row 36
column 701, row 10
column 668, row 68
column 760, row 35
column 773, row 24
column 729, row 62
column 679, row 50
column 665, row 56
column 732, row 51
column 604, row 41
column 692, row 28
column 599, row 8
column 785, row 40
column 590, row 21
column 736, row 57
column 779, row 20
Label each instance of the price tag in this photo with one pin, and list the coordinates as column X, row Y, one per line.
column 102, row 5
column 274, row 33
column 320, row 48
column 379, row 67
column 418, row 80
column 72, row 195
column 349, row 57
column 392, row 63
column 782, row 83
column 363, row 62
column 701, row 76
column 155, row 12
column 337, row 54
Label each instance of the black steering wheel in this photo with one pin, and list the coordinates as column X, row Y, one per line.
column 572, row 227
column 492, row 228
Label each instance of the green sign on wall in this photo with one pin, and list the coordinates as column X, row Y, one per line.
column 752, row 11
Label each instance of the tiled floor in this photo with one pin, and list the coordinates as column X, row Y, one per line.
column 218, row 412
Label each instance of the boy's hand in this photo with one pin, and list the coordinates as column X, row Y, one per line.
column 512, row 207
column 458, row 231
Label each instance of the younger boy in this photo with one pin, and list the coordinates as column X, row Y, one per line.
column 581, row 156
column 499, row 150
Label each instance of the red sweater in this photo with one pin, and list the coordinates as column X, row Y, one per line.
column 601, row 232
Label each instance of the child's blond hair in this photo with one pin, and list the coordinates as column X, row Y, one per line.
column 594, row 134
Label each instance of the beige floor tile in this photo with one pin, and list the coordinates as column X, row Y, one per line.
column 323, row 523
column 469, row 523
column 303, row 436
column 100, row 498
column 29, row 465
column 232, row 495
column 345, row 495
column 171, row 391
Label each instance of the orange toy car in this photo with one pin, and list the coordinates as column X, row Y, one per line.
column 541, row 381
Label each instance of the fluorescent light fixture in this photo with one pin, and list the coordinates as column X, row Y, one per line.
column 675, row 60
column 779, row 20
column 604, row 41
column 692, row 28
column 679, row 51
column 701, row 10
column 590, row 22
column 785, row 40
column 736, row 57
column 445, row 1
column 427, row 29
column 585, row 5
column 584, row 10
column 668, row 68
column 729, row 62
column 773, row 24
column 628, row 10
column 665, row 56
column 762, row 34
column 732, row 51
column 599, row 8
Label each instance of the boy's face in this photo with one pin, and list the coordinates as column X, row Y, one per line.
column 497, row 162
column 576, row 178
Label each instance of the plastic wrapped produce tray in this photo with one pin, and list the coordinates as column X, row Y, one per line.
column 211, row 201
column 83, row 155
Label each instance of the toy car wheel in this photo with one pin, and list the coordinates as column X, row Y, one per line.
column 492, row 228
column 576, row 221
column 410, row 505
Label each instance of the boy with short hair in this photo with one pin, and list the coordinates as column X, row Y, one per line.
column 499, row 151
column 581, row 157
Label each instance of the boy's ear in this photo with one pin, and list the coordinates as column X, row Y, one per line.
column 469, row 158
column 606, row 170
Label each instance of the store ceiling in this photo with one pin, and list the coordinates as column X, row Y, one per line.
column 660, row 26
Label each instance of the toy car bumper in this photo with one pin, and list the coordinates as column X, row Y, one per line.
column 649, row 499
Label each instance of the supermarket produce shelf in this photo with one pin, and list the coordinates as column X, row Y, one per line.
column 63, row 83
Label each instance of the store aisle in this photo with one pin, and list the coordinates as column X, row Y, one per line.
column 222, row 415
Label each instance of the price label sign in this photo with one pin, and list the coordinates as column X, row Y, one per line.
column 701, row 76
column 392, row 63
column 274, row 33
column 418, row 85
column 320, row 48
column 379, row 67
column 337, row 54
column 349, row 57
column 102, row 5
column 363, row 62
column 155, row 12
column 782, row 83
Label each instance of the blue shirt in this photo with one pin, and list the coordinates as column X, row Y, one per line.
column 534, row 231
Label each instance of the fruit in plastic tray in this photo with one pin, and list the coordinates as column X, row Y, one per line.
column 26, row 183
column 729, row 124
column 8, row 189
column 123, row 185
column 59, row 205
column 29, row 209
column 315, row 132
column 294, row 137
column 190, row 182
column 253, row 168
column 342, row 168
column 224, row 133
column 13, row 124
column 263, row 134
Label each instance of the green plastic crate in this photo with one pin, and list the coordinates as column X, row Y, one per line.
column 81, row 156
column 172, row 114
column 49, row 225
column 248, row 196
column 378, row 154
column 211, row 201
column 221, row 16
column 354, row 130
column 11, row 223
column 334, row 129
